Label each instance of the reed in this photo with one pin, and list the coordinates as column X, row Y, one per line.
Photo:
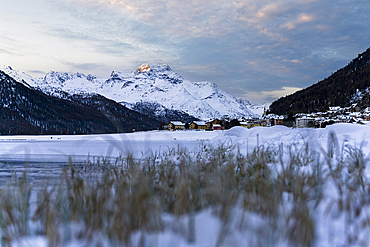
column 282, row 185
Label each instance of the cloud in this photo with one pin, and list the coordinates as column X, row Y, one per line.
column 268, row 96
column 300, row 19
column 323, row 27
column 83, row 66
column 177, row 20
column 305, row 18
column 8, row 52
column 272, row 9
column 282, row 92
column 37, row 72
column 242, row 45
column 10, row 46
column 193, row 18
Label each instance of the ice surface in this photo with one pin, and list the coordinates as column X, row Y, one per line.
column 79, row 147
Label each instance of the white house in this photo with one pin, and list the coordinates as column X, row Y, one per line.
column 305, row 122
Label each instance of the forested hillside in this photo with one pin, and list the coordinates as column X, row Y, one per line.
column 24, row 110
column 346, row 86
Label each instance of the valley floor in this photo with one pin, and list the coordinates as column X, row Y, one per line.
column 58, row 148
column 290, row 187
column 141, row 143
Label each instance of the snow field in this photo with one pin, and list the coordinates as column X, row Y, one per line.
column 243, row 187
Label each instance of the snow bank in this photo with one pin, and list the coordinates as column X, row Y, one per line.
column 156, row 141
column 345, row 134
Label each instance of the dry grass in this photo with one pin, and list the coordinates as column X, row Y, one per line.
column 282, row 185
column 14, row 205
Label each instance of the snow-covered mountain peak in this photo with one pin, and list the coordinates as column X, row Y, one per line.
column 156, row 68
column 62, row 77
column 20, row 77
column 156, row 86
column 8, row 68
column 68, row 80
column 157, row 71
column 144, row 68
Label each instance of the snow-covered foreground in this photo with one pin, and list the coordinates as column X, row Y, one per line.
column 338, row 212
column 80, row 147
column 58, row 148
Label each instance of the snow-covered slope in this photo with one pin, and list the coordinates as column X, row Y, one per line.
column 153, row 84
column 259, row 109
column 20, row 77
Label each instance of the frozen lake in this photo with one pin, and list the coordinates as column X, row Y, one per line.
column 44, row 157
column 79, row 148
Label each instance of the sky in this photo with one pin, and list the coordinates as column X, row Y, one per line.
column 258, row 50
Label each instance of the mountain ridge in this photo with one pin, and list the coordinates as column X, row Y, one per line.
column 24, row 110
column 154, row 84
column 348, row 85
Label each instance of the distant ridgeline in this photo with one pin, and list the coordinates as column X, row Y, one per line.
column 25, row 110
column 348, row 85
